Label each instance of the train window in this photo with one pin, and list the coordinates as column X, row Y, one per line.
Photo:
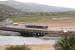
column 36, row 26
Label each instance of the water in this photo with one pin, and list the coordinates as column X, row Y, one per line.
column 17, row 40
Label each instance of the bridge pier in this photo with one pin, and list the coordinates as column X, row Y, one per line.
column 26, row 34
column 33, row 34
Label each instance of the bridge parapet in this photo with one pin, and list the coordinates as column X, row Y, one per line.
column 26, row 31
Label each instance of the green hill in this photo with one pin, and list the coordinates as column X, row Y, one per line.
column 7, row 11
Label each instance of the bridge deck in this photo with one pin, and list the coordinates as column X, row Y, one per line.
column 24, row 30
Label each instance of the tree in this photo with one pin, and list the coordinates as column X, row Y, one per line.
column 66, row 43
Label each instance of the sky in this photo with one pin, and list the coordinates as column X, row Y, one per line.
column 58, row 3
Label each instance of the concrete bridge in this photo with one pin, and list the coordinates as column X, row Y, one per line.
column 26, row 31
column 30, row 32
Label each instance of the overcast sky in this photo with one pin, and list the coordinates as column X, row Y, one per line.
column 60, row 3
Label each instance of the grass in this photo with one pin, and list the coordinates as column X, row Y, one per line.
column 40, row 18
column 18, row 47
column 29, row 19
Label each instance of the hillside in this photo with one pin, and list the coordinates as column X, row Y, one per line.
column 33, row 7
column 9, row 11
column 14, row 8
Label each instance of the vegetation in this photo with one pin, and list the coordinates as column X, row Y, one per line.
column 8, row 11
column 42, row 12
column 66, row 43
column 40, row 18
column 18, row 47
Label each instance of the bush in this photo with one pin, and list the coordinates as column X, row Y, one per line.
column 66, row 43
column 18, row 47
